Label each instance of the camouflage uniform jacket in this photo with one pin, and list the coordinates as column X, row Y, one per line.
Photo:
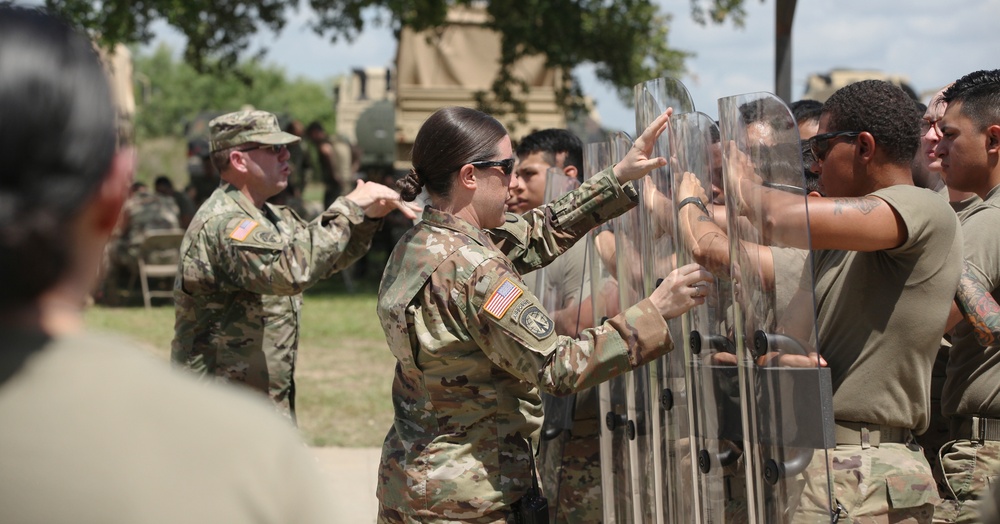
column 239, row 291
column 145, row 213
column 474, row 347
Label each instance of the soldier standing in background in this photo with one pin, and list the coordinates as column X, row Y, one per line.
column 333, row 163
column 245, row 263
column 569, row 458
column 301, row 160
column 185, row 206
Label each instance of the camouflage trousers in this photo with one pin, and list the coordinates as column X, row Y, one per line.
column 391, row 516
column 802, row 498
column 573, row 474
column 881, row 484
column 970, row 468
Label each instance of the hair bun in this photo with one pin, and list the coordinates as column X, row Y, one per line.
column 416, row 177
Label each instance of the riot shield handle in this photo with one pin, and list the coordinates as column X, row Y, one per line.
column 614, row 420
column 765, row 342
column 724, row 457
column 719, row 343
column 775, row 471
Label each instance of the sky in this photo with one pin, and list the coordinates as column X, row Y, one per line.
column 930, row 42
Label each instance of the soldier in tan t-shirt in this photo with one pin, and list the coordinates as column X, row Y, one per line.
column 969, row 150
column 887, row 264
column 569, row 452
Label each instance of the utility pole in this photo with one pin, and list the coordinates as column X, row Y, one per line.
column 784, row 15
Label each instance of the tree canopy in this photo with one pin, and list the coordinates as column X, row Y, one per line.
column 179, row 92
column 626, row 40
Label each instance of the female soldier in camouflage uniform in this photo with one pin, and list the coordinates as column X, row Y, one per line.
column 474, row 346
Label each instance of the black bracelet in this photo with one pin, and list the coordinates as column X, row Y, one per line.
column 693, row 200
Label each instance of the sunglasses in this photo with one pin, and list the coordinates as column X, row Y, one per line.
column 926, row 125
column 506, row 164
column 820, row 144
column 276, row 148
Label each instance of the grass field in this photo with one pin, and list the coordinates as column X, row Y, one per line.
column 344, row 371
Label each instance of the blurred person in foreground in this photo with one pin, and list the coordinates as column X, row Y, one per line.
column 245, row 263
column 474, row 346
column 91, row 428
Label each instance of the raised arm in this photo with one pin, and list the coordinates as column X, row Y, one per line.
column 865, row 223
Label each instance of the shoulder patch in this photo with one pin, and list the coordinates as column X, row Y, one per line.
column 265, row 236
column 243, row 230
column 502, row 298
column 536, row 322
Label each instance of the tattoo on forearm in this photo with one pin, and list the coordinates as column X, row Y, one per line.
column 865, row 204
column 979, row 308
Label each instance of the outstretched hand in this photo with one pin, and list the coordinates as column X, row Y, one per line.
column 378, row 201
column 637, row 162
column 683, row 289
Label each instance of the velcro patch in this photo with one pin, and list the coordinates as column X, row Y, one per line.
column 265, row 236
column 536, row 322
column 501, row 299
column 243, row 230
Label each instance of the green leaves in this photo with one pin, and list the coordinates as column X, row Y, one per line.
column 625, row 39
column 169, row 92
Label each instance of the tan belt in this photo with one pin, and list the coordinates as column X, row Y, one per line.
column 975, row 428
column 869, row 435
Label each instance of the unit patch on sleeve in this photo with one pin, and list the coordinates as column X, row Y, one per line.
column 501, row 299
column 265, row 236
column 243, row 230
column 536, row 322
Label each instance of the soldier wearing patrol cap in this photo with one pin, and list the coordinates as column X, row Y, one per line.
column 245, row 263
column 474, row 345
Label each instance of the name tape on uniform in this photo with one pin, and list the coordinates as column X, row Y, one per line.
column 243, row 230
column 501, row 299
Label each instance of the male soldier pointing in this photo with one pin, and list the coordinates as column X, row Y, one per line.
column 245, row 263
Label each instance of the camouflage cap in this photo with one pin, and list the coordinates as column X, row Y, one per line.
column 245, row 127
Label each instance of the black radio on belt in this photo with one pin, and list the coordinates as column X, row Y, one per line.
column 533, row 507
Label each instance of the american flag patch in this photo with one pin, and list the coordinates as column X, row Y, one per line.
column 243, row 230
column 501, row 299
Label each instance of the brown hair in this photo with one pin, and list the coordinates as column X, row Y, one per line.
column 449, row 139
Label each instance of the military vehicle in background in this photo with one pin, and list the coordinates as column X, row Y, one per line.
column 118, row 64
column 819, row 86
column 381, row 109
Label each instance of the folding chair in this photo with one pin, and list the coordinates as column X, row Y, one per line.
column 159, row 254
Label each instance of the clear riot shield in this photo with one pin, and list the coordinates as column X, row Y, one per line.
column 709, row 352
column 616, row 473
column 661, row 389
column 635, row 424
column 568, row 438
column 786, row 398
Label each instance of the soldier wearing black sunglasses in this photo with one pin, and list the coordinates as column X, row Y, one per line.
column 887, row 261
